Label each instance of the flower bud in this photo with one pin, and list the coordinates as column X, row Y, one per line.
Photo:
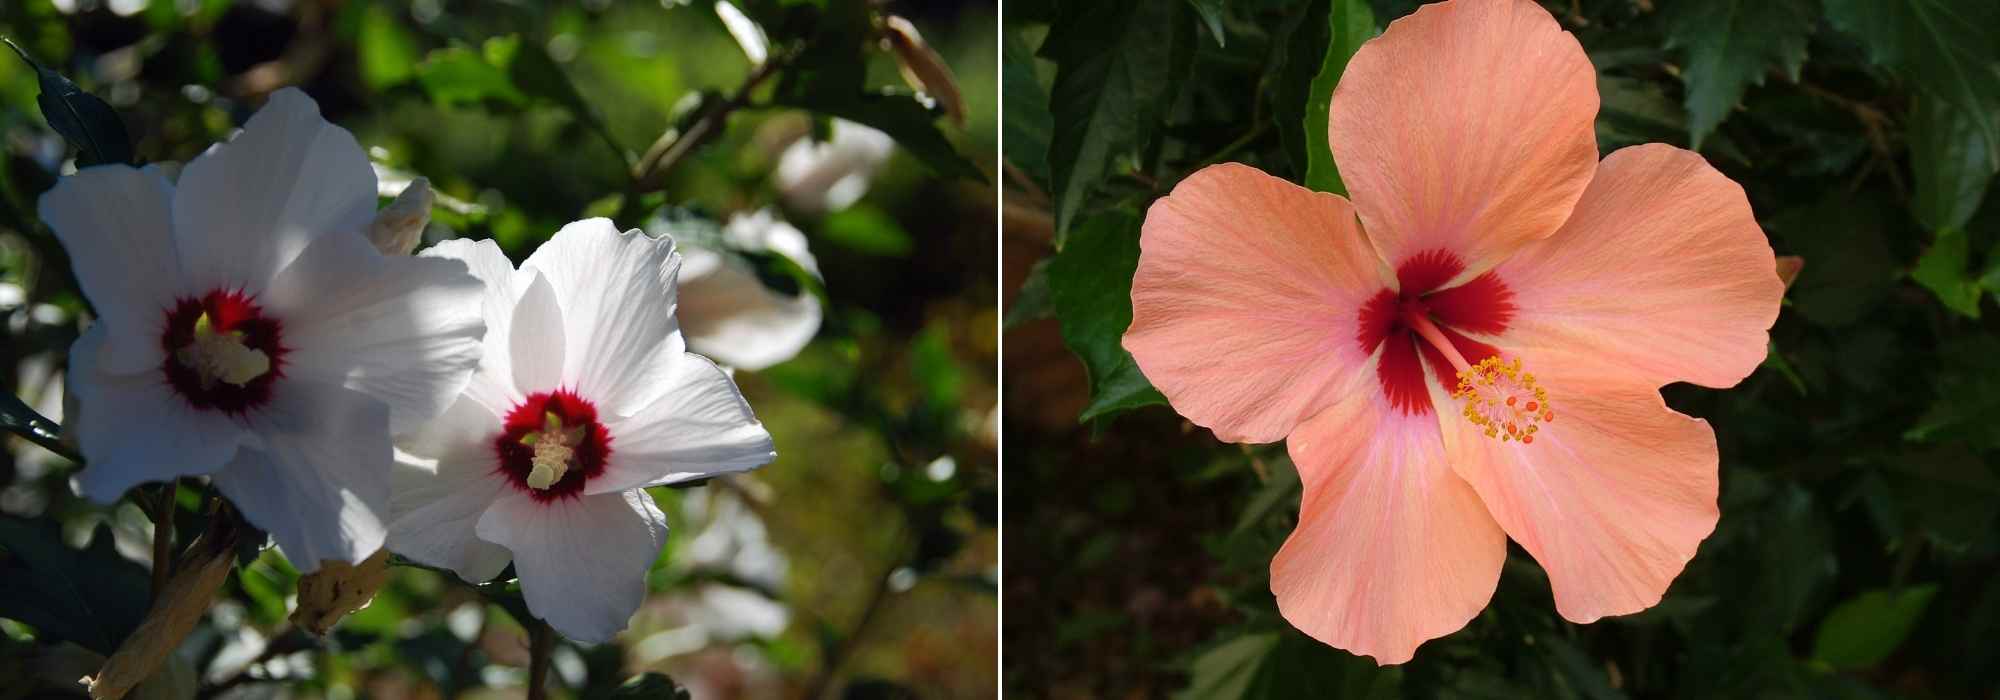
column 1789, row 267
column 198, row 574
column 923, row 68
column 398, row 228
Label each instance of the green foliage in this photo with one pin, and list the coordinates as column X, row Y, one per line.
column 92, row 597
column 1118, row 65
column 1865, row 629
column 1858, row 466
column 1728, row 46
column 85, row 120
column 1090, row 288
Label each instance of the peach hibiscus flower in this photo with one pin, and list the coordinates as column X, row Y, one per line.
column 1479, row 356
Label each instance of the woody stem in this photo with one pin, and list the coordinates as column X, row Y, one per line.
column 1421, row 322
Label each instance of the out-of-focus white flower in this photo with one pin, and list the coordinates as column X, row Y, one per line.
column 731, row 538
column 248, row 331
column 756, row 46
column 817, row 177
column 729, row 314
column 586, row 396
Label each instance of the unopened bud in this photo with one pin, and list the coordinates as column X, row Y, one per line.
column 1789, row 267
column 923, row 68
column 398, row 228
column 198, row 574
column 337, row 589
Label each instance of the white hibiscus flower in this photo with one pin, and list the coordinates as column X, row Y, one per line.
column 729, row 314
column 247, row 330
column 816, row 177
column 586, row 396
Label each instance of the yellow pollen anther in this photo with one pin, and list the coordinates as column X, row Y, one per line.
column 1503, row 400
column 221, row 356
column 555, row 447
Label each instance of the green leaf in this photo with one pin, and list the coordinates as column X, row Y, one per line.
column 1285, row 665
column 1948, row 157
column 1090, row 286
column 1943, row 269
column 92, row 597
column 1967, row 394
column 1727, row 47
column 87, row 122
column 1867, row 628
column 1211, row 17
column 18, row 418
column 867, row 229
column 1118, row 68
column 1028, row 126
column 1943, row 47
column 1033, row 302
column 1349, row 24
column 901, row 117
column 535, row 73
column 460, row 76
column 386, row 50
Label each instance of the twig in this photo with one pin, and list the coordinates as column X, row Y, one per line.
column 541, row 645
column 674, row 146
column 163, row 537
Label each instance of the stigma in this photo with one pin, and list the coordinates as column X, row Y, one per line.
column 221, row 356
column 1503, row 400
column 555, row 450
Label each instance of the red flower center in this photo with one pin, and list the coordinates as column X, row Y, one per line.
column 1392, row 319
column 222, row 352
column 552, row 443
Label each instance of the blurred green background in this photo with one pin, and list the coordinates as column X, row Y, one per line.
column 861, row 563
column 1858, row 547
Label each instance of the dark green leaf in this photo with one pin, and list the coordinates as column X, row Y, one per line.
column 1027, row 127
column 1118, row 64
column 17, row 418
column 866, row 229
column 1349, row 24
column 1033, row 302
column 1944, row 270
column 1866, row 629
column 460, row 76
column 1090, row 285
column 1286, row 665
column 386, row 50
column 1967, row 392
column 92, row 597
column 1948, row 157
column 87, row 122
column 535, row 73
column 1943, row 47
column 1211, row 17
column 1728, row 46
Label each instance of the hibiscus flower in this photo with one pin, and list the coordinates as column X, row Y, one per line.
column 1471, row 349
column 247, row 330
column 586, row 396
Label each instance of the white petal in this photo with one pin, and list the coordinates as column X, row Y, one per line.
column 116, row 222
column 493, row 385
column 400, row 329
column 440, row 495
column 582, row 561
column 319, row 482
column 699, row 427
column 244, row 209
column 817, row 177
column 728, row 314
column 617, row 295
column 134, row 429
column 536, row 346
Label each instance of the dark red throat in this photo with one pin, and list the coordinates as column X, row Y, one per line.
column 517, row 460
column 229, row 311
column 1482, row 305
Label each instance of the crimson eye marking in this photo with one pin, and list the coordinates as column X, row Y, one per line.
column 222, row 352
column 1388, row 320
column 551, row 445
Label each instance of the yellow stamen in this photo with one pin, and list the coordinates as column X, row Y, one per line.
column 1494, row 393
column 555, row 449
column 221, row 356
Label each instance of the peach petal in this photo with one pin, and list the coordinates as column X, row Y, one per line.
column 1613, row 497
column 1661, row 275
column 1392, row 548
column 1246, row 299
column 1465, row 127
